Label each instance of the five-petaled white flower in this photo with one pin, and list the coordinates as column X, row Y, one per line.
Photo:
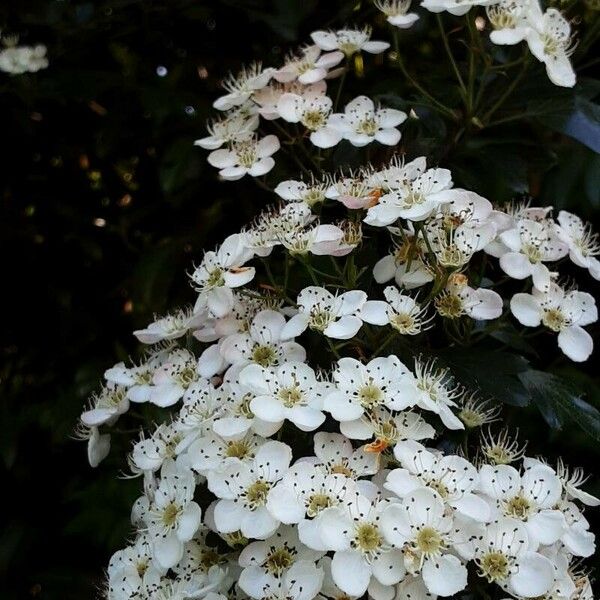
column 290, row 391
column 333, row 316
column 421, row 528
column 582, row 242
column 243, row 489
column 173, row 516
column 362, row 123
column 349, row 41
column 245, row 157
column 309, row 66
column 563, row 312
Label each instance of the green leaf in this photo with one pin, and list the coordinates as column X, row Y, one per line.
column 493, row 374
column 560, row 401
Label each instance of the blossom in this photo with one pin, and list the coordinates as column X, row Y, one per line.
column 529, row 245
column 454, row 7
column 312, row 108
column 243, row 489
column 458, row 299
column 502, row 555
column 363, row 558
column 406, row 265
column 361, row 123
column 170, row 327
column 241, row 87
column 349, row 41
column 431, row 388
column 106, row 406
column 334, row 316
column 299, row 191
column 209, row 451
column 420, row 526
column 233, row 128
column 530, row 498
column 175, row 375
column 308, row 67
column 301, row 582
column 563, row 312
column 17, row 60
column 290, row 391
column 262, row 344
column 420, row 195
column 173, row 517
column 549, row 39
column 400, row 311
column 509, row 21
column 245, row 157
column 359, row 388
column 220, row 272
column 453, row 478
column 582, row 242
column 396, row 12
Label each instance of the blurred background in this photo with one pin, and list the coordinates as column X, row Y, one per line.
column 106, row 203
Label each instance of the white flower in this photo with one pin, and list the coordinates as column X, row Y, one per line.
column 509, row 21
column 363, row 558
column 397, row 13
column 420, row 526
column 362, row 123
column 405, row 265
column 209, row 451
column 273, row 557
column 241, row 87
column 233, row 128
column 290, row 391
column 334, row 316
column 360, row 388
column 530, row 498
column 453, row 478
column 353, row 192
column 388, row 428
column 106, row 406
column 149, row 454
column 300, row 191
column 309, row 67
column 312, row 108
column 243, row 490
column 503, row 556
column 432, row 389
column 245, row 157
column 23, row 59
column 98, row 445
column 335, row 454
column 454, row 7
column 301, row 582
column 549, row 39
column 262, row 344
column 400, row 311
column 565, row 313
column 582, row 242
column 420, row 194
column 529, row 245
column 458, row 299
column 219, row 273
column 170, row 327
column 572, row 480
column 303, row 494
column 173, row 516
column 349, row 41
column 171, row 380
column 320, row 240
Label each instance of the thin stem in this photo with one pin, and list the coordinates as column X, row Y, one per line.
column 450, row 55
column 509, row 90
column 340, row 86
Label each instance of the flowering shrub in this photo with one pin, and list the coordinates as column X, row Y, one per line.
column 335, row 430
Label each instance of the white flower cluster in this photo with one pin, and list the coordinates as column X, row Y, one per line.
column 547, row 33
column 17, row 60
column 280, row 475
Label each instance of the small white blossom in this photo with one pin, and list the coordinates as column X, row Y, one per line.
column 308, row 67
column 362, row 123
column 333, row 316
column 170, row 327
column 565, row 313
column 245, row 157
column 241, row 87
column 349, row 41
column 396, row 12
column 582, row 242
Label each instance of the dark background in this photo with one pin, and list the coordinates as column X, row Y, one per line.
column 106, row 203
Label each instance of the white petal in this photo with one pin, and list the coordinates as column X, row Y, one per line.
column 576, row 343
column 444, row 575
column 350, row 572
column 526, row 309
column 534, row 576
